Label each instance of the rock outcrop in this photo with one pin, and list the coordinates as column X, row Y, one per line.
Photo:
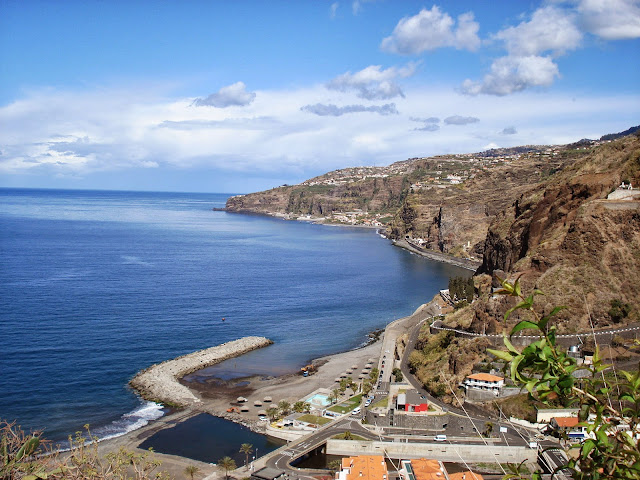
column 159, row 382
column 570, row 241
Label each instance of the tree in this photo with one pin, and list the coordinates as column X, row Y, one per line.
column 608, row 407
column 226, row 464
column 335, row 394
column 301, row 406
column 373, row 374
column 366, row 387
column 284, row 407
column 488, row 428
column 334, row 466
column 247, row 449
column 273, row 413
column 397, row 373
column 191, row 470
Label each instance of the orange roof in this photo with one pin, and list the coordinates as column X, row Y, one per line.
column 485, row 377
column 427, row 469
column 365, row 467
column 566, row 421
column 468, row 475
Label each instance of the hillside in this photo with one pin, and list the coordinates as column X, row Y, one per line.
column 566, row 238
column 444, row 203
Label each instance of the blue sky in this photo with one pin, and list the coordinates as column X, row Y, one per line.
column 239, row 96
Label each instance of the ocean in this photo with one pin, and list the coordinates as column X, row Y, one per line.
column 97, row 285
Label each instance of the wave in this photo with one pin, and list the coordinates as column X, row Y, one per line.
column 134, row 420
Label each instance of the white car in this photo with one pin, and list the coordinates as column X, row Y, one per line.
column 440, row 438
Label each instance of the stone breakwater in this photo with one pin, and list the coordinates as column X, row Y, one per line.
column 159, row 382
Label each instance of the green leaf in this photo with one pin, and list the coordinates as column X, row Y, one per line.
column 587, row 447
column 521, row 325
column 27, row 448
column 502, row 355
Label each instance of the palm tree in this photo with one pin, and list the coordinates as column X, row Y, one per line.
column 335, row 393
column 272, row 413
column 247, row 449
column 191, row 470
column 300, row 406
column 284, row 406
column 226, row 464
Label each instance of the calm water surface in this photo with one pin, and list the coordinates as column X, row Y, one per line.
column 95, row 286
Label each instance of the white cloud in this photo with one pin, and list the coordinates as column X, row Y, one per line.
column 324, row 110
column 430, row 30
column 76, row 134
column 373, row 82
column 333, row 9
column 610, row 19
column 459, row 120
column 550, row 30
column 514, row 74
column 232, row 95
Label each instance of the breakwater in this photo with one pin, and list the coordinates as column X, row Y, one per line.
column 159, row 382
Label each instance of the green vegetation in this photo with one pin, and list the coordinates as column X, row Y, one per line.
column 28, row 457
column 461, row 288
column 608, row 408
column 247, row 449
column 619, row 310
column 347, row 405
column 397, row 373
column 226, row 464
column 314, row 419
column 348, row 436
column 191, row 471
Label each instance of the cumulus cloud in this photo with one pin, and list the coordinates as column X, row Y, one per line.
column 550, row 30
column 610, row 19
column 514, row 74
column 430, row 30
column 509, row 131
column 531, row 48
column 373, row 82
column 459, row 120
column 331, row 110
column 232, row 95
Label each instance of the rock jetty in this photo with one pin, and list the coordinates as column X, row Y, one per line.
column 159, row 382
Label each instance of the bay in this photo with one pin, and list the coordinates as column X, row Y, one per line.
column 96, row 285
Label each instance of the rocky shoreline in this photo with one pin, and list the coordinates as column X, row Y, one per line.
column 159, row 383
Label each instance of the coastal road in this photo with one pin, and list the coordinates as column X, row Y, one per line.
column 280, row 458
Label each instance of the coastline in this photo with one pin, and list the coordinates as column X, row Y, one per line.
column 217, row 396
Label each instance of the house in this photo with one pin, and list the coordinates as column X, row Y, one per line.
column 412, row 401
column 544, row 415
column 484, row 381
column 422, row 469
column 363, row 467
column 568, row 426
column 267, row 473
column 466, row 475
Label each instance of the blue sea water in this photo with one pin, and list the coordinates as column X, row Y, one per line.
column 96, row 285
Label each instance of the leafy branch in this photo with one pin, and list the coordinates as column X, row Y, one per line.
column 550, row 375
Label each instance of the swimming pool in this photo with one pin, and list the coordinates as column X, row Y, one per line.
column 319, row 400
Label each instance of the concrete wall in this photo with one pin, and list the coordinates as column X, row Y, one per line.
column 445, row 452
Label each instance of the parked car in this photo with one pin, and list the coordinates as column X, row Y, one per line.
column 356, row 411
column 440, row 438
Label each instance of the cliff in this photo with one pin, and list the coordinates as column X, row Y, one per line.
column 568, row 239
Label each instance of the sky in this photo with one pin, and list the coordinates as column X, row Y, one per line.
column 241, row 96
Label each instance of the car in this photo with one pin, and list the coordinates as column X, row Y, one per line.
column 440, row 438
column 356, row 411
column 367, row 402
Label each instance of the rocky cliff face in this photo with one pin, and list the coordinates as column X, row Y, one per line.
column 568, row 240
column 455, row 220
